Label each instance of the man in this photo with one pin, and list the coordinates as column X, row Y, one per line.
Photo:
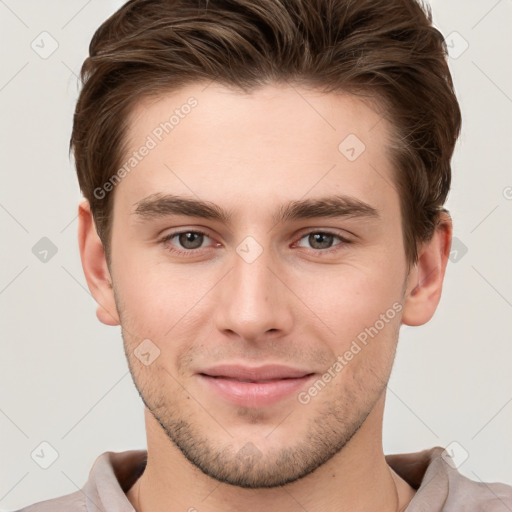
column 264, row 187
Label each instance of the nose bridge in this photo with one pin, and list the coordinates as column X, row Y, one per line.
column 253, row 300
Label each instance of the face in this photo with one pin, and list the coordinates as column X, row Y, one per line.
column 298, row 261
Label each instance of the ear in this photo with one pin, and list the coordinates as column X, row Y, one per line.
column 95, row 266
column 425, row 280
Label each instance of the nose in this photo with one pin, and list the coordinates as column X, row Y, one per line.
column 254, row 301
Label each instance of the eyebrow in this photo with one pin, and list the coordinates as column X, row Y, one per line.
column 158, row 206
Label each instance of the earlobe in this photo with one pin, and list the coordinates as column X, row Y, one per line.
column 425, row 280
column 95, row 266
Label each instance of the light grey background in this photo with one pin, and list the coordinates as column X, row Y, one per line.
column 63, row 375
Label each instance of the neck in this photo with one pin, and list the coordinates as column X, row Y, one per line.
column 356, row 479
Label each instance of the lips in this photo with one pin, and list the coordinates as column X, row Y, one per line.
column 255, row 374
column 261, row 386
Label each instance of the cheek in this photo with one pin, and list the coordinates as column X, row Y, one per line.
column 161, row 302
column 361, row 305
column 352, row 296
column 363, row 348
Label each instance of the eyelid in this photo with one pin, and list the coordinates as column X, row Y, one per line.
column 326, row 231
column 172, row 234
column 344, row 234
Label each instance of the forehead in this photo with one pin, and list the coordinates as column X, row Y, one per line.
column 260, row 110
column 207, row 139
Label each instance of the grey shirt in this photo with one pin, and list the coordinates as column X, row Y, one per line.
column 440, row 487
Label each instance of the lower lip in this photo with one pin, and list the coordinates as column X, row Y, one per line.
column 254, row 394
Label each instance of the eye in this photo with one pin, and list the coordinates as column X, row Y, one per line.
column 189, row 240
column 322, row 241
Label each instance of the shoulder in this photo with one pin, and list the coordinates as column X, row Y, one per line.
column 441, row 487
column 460, row 493
column 110, row 476
column 74, row 502
column 467, row 495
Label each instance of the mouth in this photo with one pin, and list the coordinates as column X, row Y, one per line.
column 268, row 372
column 260, row 381
column 254, row 390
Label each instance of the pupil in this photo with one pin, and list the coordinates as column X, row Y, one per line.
column 318, row 237
column 186, row 238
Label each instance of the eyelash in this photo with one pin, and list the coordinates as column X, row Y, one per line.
column 190, row 252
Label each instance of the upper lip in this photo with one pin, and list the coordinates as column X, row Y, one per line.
column 259, row 373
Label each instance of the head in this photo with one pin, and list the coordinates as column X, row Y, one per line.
column 260, row 119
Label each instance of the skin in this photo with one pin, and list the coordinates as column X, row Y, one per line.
column 295, row 304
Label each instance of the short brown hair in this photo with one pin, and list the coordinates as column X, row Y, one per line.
column 387, row 50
